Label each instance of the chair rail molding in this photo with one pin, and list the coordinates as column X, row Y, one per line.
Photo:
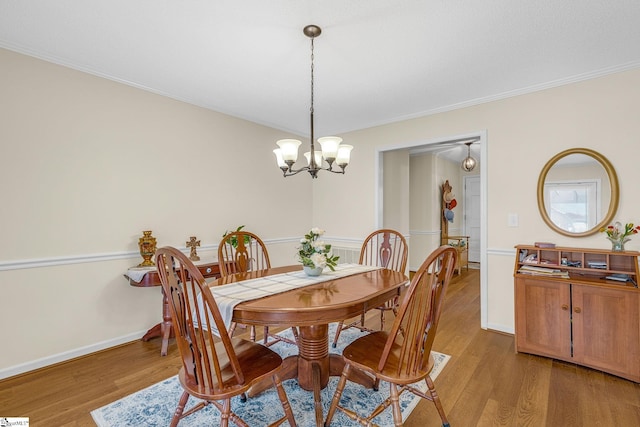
column 20, row 264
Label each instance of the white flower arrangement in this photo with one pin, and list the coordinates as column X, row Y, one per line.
column 315, row 253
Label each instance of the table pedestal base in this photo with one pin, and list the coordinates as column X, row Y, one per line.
column 163, row 330
column 312, row 366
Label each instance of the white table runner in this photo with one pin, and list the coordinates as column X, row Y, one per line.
column 228, row 296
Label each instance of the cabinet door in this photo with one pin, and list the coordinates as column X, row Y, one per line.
column 543, row 319
column 606, row 330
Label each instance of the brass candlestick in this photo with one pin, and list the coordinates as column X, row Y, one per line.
column 147, row 245
column 192, row 243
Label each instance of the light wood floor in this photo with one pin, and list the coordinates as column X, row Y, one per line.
column 484, row 384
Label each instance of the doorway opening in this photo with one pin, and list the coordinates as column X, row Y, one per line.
column 396, row 183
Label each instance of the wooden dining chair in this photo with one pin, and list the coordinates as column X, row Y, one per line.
column 385, row 248
column 213, row 369
column 240, row 252
column 402, row 356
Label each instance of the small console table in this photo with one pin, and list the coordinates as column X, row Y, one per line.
column 147, row 277
column 461, row 243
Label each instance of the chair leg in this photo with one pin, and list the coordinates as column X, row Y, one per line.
column 179, row 409
column 395, row 404
column 282, row 395
column 225, row 413
column 338, row 394
column 232, row 329
column 436, row 400
column 338, row 330
column 277, row 338
column 266, row 335
column 315, row 371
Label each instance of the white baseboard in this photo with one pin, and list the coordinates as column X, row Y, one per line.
column 501, row 328
column 68, row 355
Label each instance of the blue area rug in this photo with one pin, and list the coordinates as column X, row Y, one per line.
column 154, row 406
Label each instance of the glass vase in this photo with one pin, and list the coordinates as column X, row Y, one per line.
column 617, row 245
column 310, row 271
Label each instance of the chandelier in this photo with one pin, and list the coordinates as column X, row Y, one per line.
column 332, row 150
column 469, row 163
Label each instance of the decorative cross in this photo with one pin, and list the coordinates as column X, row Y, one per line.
column 192, row 243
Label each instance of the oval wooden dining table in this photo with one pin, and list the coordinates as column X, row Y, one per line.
column 311, row 309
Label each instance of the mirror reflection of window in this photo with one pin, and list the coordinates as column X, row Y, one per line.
column 572, row 205
column 578, row 192
column 573, row 193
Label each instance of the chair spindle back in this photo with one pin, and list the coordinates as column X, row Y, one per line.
column 385, row 248
column 414, row 328
column 242, row 251
column 193, row 309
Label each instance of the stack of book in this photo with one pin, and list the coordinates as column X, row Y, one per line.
column 543, row 271
column 597, row 264
column 619, row 277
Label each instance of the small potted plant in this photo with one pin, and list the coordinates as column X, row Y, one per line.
column 234, row 240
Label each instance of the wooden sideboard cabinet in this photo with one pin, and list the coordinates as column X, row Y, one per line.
column 570, row 311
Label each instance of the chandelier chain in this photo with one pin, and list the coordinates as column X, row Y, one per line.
column 330, row 150
column 312, row 38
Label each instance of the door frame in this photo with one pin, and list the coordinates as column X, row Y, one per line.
column 484, row 166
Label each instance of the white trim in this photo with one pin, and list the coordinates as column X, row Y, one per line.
column 337, row 241
column 80, row 259
column 484, row 229
column 424, row 232
column 501, row 328
column 73, row 259
column 502, row 252
column 68, row 355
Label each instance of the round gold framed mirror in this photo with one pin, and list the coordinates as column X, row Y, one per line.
column 578, row 192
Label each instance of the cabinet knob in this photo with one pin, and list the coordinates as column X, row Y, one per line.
column 565, row 307
column 577, row 309
column 208, row 270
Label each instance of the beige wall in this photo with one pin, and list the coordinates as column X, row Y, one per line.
column 87, row 164
column 395, row 193
column 523, row 132
column 424, row 208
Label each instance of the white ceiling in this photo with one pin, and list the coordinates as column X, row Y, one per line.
column 376, row 62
